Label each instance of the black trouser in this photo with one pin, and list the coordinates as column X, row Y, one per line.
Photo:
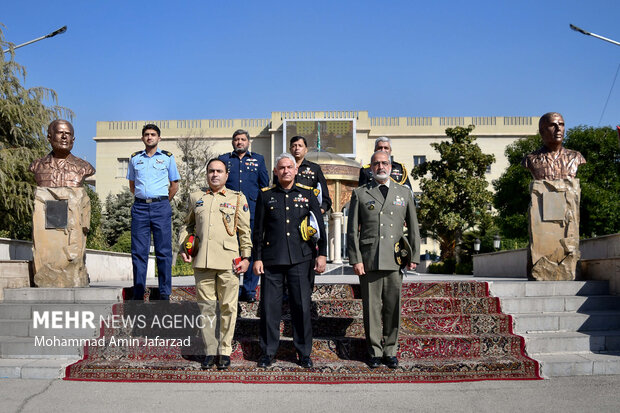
column 272, row 285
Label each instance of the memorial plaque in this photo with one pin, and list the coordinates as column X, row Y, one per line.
column 554, row 206
column 56, row 214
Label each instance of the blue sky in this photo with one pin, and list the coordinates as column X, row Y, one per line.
column 130, row 60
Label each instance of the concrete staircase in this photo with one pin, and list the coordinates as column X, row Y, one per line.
column 571, row 327
column 21, row 355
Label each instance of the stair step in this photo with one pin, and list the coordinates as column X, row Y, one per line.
column 26, row 348
column 593, row 341
column 547, row 288
column 578, row 364
column 420, row 324
column 562, row 321
column 63, row 295
column 24, row 311
column 524, row 305
column 52, row 368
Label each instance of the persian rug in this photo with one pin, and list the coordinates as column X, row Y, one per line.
column 450, row 331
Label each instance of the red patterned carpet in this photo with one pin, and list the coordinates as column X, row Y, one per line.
column 450, row 331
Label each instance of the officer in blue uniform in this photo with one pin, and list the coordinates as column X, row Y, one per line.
column 153, row 179
column 246, row 173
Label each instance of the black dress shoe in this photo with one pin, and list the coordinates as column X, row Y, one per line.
column 208, row 362
column 305, row 362
column 374, row 362
column 264, row 361
column 390, row 361
column 223, row 362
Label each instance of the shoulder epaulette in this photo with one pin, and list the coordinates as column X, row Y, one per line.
column 135, row 153
column 366, row 166
column 168, row 153
column 304, row 186
column 267, row 188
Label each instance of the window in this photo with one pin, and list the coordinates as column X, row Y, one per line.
column 418, row 160
column 123, row 165
column 489, row 169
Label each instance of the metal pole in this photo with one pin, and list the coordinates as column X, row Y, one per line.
column 577, row 29
column 52, row 34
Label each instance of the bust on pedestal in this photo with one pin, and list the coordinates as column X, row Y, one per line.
column 553, row 215
column 61, row 216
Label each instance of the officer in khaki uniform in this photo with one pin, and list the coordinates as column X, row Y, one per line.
column 220, row 220
column 377, row 214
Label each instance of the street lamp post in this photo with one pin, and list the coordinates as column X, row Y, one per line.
column 52, row 34
column 587, row 33
column 497, row 242
column 477, row 245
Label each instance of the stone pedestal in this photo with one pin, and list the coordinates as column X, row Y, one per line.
column 554, row 229
column 58, row 247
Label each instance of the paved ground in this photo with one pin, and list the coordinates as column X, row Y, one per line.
column 571, row 394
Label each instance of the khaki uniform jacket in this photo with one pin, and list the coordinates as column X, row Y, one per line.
column 375, row 224
column 207, row 214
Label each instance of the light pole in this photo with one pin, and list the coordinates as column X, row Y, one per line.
column 52, row 34
column 477, row 245
column 580, row 30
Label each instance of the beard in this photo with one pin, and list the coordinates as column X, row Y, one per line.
column 381, row 176
column 242, row 150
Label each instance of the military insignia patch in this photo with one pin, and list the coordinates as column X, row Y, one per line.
column 399, row 201
column 200, row 203
column 246, row 207
column 316, row 191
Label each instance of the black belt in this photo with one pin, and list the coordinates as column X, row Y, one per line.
column 149, row 200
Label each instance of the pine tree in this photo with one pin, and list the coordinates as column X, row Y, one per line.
column 455, row 198
column 24, row 117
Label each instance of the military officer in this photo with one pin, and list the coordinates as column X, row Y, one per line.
column 308, row 173
column 246, row 173
column 311, row 175
column 220, row 219
column 377, row 214
column 282, row 256
column 154, row 180
column 399, row 172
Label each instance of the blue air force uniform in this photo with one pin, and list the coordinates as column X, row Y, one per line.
column 151, row 211
column 248, row 175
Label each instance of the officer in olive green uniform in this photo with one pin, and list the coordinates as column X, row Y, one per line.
column 377, row 214
column 220, row 218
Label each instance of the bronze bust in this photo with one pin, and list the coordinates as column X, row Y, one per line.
column 553, row 161
column 60, row 168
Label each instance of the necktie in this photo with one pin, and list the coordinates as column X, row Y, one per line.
column 384, row 190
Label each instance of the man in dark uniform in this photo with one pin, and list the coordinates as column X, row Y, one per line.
column 247, row 173
column 282, row 256
column 399, row 172
column 154, row 180
column 308, row 173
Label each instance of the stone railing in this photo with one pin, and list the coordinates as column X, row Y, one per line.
column 101, row 265
column 600, row 260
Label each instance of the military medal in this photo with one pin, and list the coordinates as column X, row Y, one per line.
column 226, row 218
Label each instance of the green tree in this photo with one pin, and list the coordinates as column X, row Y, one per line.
column 599, row 178
column 95, row 239
column 24, row 117
column 117, row 216
column 455, row 196
column 196, row 151
column 511, row 198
